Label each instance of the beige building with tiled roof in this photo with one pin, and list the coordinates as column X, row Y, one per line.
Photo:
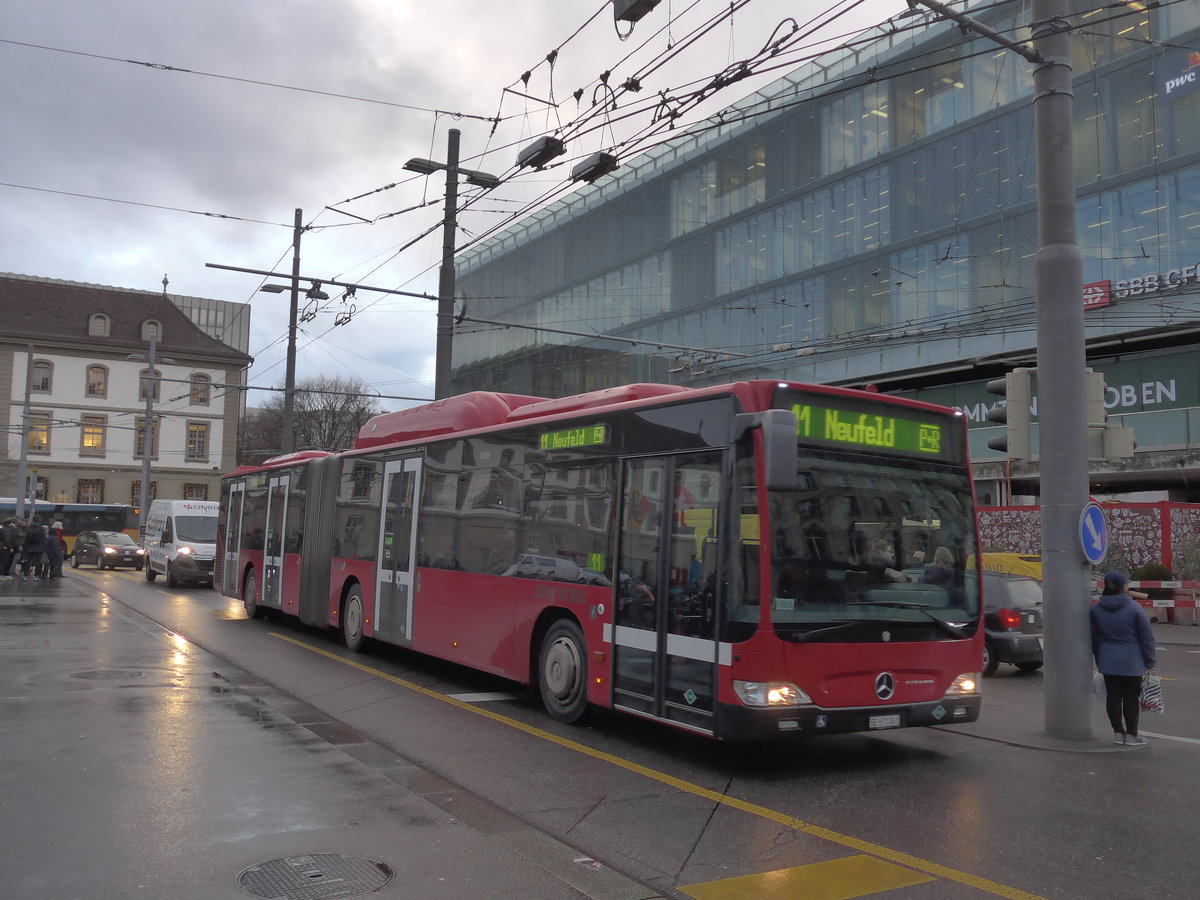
column 87, row 400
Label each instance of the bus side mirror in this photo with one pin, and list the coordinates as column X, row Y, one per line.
column 780, row 456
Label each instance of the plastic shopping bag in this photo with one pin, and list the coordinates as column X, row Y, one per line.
column 1152, row 698
column 1098, row 687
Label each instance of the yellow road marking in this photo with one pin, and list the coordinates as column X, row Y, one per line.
column 834, row 879
column 845, row 840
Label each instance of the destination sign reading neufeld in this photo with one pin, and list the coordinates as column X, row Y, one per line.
column 862, row 429
column 587, row 436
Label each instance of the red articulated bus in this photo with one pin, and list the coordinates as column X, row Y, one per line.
column 720, row 559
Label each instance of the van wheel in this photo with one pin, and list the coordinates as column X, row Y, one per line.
column 562, row 672
column 150, row 573
column 352, row 620
column 172, row 580
column 250, row 597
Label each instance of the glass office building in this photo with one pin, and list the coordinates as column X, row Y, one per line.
column 870, row 219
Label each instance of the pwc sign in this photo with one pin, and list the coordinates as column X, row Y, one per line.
column 1188, row 80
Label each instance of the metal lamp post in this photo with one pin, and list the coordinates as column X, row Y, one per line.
column 445, row 314
column 152, row 381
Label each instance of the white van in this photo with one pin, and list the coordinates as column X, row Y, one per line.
column 181, row 540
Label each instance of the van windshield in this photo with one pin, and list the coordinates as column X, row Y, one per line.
column 196, row 529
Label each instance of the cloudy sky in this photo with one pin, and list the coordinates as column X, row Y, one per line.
column 144, row 138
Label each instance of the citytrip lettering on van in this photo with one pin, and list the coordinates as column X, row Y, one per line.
column 842, row 426
column 587, row 436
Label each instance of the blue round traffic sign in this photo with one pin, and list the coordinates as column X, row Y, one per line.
column 1093, row 534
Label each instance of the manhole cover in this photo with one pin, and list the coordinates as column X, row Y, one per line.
column 107, row 674
column 318, row 876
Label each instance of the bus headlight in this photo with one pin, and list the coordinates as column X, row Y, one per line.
column 967, row 683
column 770, row 694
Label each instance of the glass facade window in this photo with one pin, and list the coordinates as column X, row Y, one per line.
column 855, row 128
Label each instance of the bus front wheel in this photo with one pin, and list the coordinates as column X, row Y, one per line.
column 352, row 620
column 250, row 596
column 562, row 672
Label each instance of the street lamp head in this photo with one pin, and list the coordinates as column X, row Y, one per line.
column 424, row 166
column 480, row 179
column 274, row 288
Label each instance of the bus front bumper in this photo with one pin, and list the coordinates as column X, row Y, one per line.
column 736, row 722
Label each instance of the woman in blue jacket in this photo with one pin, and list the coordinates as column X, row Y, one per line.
column 1123, row 644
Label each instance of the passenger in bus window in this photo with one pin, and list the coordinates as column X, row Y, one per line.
column 883, row 557
column 942, row 571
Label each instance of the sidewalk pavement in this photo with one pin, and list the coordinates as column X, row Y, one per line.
column 1008, row 717
column 136, row 764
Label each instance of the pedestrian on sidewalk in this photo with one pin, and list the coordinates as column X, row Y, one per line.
column 1123, row 644
column 11, row 539
column 34, row 548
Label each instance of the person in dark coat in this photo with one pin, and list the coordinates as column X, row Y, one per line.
column 33, row 548
column 56, row 548
column 1123, row 644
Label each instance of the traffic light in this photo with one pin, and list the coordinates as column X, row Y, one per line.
column 1015, row 413
column 1105, row 441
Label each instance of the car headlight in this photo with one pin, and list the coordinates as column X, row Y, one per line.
column 141, row 551
column 770, row 694
column 110, row 549
column 967, row 683
column 185, row 550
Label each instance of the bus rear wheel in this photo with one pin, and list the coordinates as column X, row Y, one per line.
column 250, row 596
column 562, row 672
column 352, row 620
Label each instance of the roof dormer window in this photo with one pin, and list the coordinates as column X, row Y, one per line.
column 151, row 330
column 98, row 325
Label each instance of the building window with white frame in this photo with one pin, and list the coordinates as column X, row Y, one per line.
column 38, row 433
column 91, row 435
column 139, row 441
column 201, row 390
column 96, row 382
column 195, row 490
column 43, row 377
column 90, row 490
column 197, row 442
column 148, row 384
column 151, row 329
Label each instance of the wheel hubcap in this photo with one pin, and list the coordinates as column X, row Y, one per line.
column 562, row 669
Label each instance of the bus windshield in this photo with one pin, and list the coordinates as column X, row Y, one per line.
column 867, row 540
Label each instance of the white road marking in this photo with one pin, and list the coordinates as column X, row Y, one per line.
column 485, row 697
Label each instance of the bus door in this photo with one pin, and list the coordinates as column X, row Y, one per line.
column 277, row 496
column 665, row 648
column 397, row 553
column 231, row 552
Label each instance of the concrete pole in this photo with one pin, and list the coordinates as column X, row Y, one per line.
column 445, row 315
column 148, row 429
column 287, row 437
column 23, row 460
column 1058, row 273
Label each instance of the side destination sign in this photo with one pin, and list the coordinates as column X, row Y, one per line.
column 842, row 426
column 587, row 436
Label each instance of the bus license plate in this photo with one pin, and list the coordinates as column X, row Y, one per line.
column 892, row 721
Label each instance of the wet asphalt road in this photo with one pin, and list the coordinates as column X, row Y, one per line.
column 141, row 770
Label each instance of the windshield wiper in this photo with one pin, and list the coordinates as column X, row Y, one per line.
column 920, row 607
column 799, row 637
